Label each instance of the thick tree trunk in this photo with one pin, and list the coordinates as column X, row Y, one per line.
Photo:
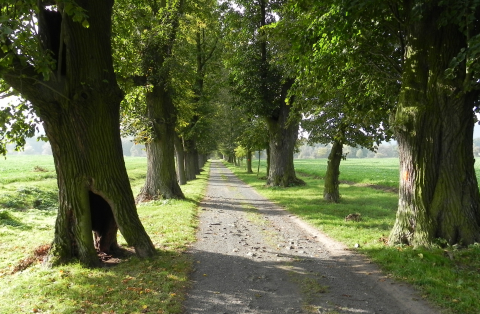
column 331, row 192
column 180, row 154
column 249, row 161
column 80, row 109
column 161, row 180
column 439, row 195
column 283, row 137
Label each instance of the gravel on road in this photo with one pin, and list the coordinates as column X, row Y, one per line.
column 251, row 256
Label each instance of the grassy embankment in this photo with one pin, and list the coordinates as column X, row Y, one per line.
column 448, row 276
column 28, row 203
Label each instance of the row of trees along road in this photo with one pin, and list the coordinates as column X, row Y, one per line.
column 189, row 77
column 58, row 56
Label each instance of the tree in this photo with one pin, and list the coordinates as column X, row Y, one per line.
column 261, row 84
column 254, row 138
column 435, row 54
column 339, row 107
column 65, row 70
column 152, row 37
column 198, row 50
column 434, row 121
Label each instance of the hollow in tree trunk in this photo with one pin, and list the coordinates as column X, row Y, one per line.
column 438, row 195
column 331, row 192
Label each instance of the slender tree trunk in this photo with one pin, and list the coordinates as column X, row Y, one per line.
column 268, row 159
column 180, row 154
column 79, row 106
column 258, row 167
column 190, row 170
column 438, row 195
column 161, row 180
column 249, row 161
column 331, row 192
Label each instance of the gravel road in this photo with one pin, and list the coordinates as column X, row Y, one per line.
column 254, row 257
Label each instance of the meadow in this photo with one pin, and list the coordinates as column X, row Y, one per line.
column 448, row 276
column 28, row 204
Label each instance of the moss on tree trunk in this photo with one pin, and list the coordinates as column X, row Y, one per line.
column 438, row 195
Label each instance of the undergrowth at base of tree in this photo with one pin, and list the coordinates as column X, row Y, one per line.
column 447, row 276
column 133, row 285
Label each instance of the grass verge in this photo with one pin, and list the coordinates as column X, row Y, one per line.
column 154, row 285
column 448, row 277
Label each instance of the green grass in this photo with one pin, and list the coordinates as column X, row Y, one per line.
column 154, row 285
column 367, row 171
column 448, row 277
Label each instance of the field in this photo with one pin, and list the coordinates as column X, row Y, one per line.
column 28, row 202
column 448, row 276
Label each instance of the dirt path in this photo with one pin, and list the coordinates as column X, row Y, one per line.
column 253, row 257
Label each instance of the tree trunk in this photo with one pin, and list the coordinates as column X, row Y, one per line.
column 438, row 195
column 249, row 161
column 180, row 154
column 331, row 192
column 190, row 170
column 258, row 167
column 196, row 161
column 268, row 159
column 161, row 180
column 79, row 106
column 283, row 136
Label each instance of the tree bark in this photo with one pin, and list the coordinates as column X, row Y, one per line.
column 258, row 167
column 438, row 195
column 180, row 160
column 161, row 180
column 249, row 161
column 331, row 192
column 80, row 109
column 268, row 159
column 283, row 136
column 190, row 170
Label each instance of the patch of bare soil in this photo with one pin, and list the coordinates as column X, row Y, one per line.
column 254, row 257
column 373, row 186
